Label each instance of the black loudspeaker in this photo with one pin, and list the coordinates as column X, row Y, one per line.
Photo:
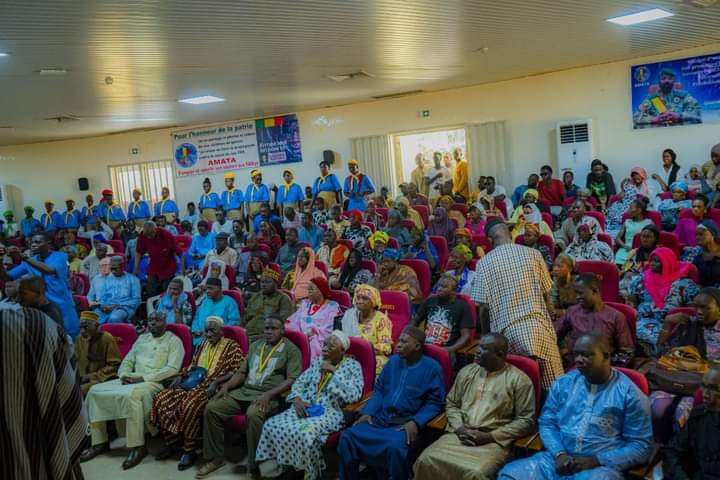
column 329, row 156
column 83, row 184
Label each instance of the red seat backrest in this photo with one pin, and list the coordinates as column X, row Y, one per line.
column 393, row 243
column 85, row 281
column 184, row 242
column 301, row 341
column 597, row 216
column 82, row 302
column 689, row 311
column 546, row 240
column 409, row 224
column 370, row 225
column 481, row 241
column 629, row 313
column 261, row 246
column 397, row 307
column 441, row 245
column 424, row 213
column 637, row 378
column 237, row 296
column 691, row 194
column 382, row 212
column 370, row 266
column 530, row 368
column 239, row 335
column 500, row 205
column 117, row 245
column 698, row 397
column 229, row 273
column 609, row 277
column 653, row 215
column 460, row 207
column 184, row 333
column 362, row 351
column 304, row 244
column 604, row 237
column 348, row 244
column 442, row 356
column 693, row 273
column 274, row 266
column 322, row 267
column 342, row 298
column 473, row 313
column 124, row 333
column 422, row 270
column 547, row 218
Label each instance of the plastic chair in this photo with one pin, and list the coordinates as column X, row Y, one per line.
column 370, row 266
column 239, row 335
column 441, row 356
column 237, row 296
column 382, row 212
column 666, row 195
column 408, row 224
column 530, row 368
column 667, row 239
column 546, row 240
column 322, row 267
column 424, row 213
column 441, row 246
column 393, row 243
column 397, row 307
column 117, row 245
column 422, row 270
column 85, row 281
column 609, row 277
column 184, row 333
column 82, row 302
column 693, row 273
column 597, row 216
column 629, row 313
column 124, row 334
column 342, row 298
column 229, row 273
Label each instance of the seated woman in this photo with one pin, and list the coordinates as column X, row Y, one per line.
column 486, row 202
column 372, row 216
column 269, row 236
column 697, row 183
column 630, row 188
column 294, row 438
column 178, row 410
column 662, row 286
column 476, row 220
column 366, row 321
column 531, row 195
column 393, row 276
column 670, row 207
column 569, row 184
column 421, row 248
column 395, row 228
column 376, row 244
column 458, row 261
column 638, row 258
column 320, row 214
column 352, row 273
column 70, row 240
column 356, row 232
column 531, row 216
column 586, row 246
column 315, row 315
column 701, row 331
column 706, row 254
column 332, row 253
column 463, row 237
column 215, row 270
column 686, row 227
column 562, row 294
column 409, row 213
column 531, row 238
column 447, row 202
column 442, row 226
column 249, row 282
column 632, row 226
column 175, row 304
column 305, row 270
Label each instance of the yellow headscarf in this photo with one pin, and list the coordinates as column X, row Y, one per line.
column 532, row 192
column 369, row 291
column 464, row 251
column 378, row 235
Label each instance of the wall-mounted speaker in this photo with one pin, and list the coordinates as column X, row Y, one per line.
column 329, row 156
column 83, row 184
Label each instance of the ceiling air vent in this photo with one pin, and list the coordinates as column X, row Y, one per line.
column 64, row 118
column 399, row 94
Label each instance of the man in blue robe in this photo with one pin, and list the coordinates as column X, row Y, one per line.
column 167, row 207
column 232, row 199
column 120, row 295
column 309, row 232
column 29, row 225
column 256, row 193
column 138, row 210
column 50, row 220
column 217, row 304
column 595, row 423
column 265, row 215
column 109, row 211
column 71, row 218
column 52, row 267
column 202, row 243
column 408, row 394
column 357, row 187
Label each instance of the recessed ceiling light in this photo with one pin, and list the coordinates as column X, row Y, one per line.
column 201, row 100
column 641, row 17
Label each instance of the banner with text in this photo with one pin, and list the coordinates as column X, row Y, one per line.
column 237, row 145
column 676, row 92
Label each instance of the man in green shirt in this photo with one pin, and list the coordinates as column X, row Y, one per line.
column 272, row 365
column 266, row 303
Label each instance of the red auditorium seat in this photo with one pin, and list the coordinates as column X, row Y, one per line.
column 397, row 307
column 184, row 333
column 124, row 333
column 239, row 335
column 422, row 270
column 609, row 277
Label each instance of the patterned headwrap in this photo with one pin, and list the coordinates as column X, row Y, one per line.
column 272, row 274
column 711, row 227
column 463, row 250
column 447, row 198
column 90, row 316
column 344, row 339
column 355, row 213
column 462, row 232
column 255, row 172
column 532, row 228
column 533, row 193
column 365, row 290
column 679, row 185
column 392, row 254
column 380, row 236
column 352, row 162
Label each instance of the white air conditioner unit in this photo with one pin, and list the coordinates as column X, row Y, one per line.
column 575, row 148
column 6, row 201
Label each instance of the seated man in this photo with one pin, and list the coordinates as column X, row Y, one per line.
column 265, row 214
column 120, row 295
column 309, row 232
column 254, row 389
column 97, row 352
column 91, row 264
column 222, row 251
column 97, row 283
column 565, row 235
column 215, row 304
column 448, row 320
column 287, row 255
column 202, row 243
column 267, row 302
column 408, row 394
column 31, row 293
column 595, row 423
column 154, row 357
column 693, row 452
column 332, row 253
column 592, row 315
column 393, row 276
column 490, row 405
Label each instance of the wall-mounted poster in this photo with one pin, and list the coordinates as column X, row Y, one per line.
column 676, row 92
column 237, row 145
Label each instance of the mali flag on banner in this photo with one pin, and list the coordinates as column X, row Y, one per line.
column 269, row 122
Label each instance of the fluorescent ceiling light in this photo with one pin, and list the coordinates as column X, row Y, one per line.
column 4, row 54
column 641, row 17
column 52, row 71
column 201, row 100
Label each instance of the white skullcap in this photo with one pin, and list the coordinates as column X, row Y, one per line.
column 215, row 319
column 344, row 339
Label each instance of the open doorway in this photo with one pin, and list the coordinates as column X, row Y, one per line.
column 406, row 146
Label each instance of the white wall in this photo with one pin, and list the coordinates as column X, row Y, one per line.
column 532, row 105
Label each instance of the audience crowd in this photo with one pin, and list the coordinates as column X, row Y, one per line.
column 561, row 331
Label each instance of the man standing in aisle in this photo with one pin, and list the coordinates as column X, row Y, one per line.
column 460, row 175
column 357, row 187
column 161, row 247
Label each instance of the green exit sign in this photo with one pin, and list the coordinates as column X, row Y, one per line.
column 135, row 151
column 425, row 113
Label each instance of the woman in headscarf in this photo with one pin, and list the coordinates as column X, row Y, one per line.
column 299, row 279
column 458, row 261
column 637, row 259
column 531, row 239
column 446, row 202
column 396, row 229
column 631, row 226
column 356, row 232
column 421, row 248
column 352, row 273
column 706, row 254
column 393, row 276
column 294, row 438
column 664, row 285
column 696, row 181
column 376, row 244
column 562, row 294
column 366, row 321
column 531, row 195
column 178, row 410
column 442, row 226
column 249, row 282
column 476, row 220
column 670, row 207
column 600, row 183
column 630, row 188
column 175, row 304
column 687, row 226
column 463, row 237
column 315, row 315
column 586, row 246
column 531, row 216
column 410, row 213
